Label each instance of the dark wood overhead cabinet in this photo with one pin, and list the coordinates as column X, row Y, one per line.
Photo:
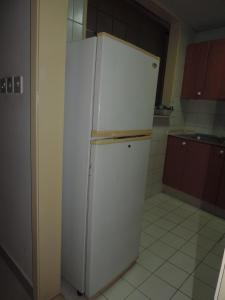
column 204, row 72
column 195, row 70
column 214, row 87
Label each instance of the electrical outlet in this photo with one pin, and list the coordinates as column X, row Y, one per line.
column 9, row 85
column 18, row 84
column 3, row 85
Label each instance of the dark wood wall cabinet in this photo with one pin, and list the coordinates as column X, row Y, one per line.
column 204, row 71
column 197, row 169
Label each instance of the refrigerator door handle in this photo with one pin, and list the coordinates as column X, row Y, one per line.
column 120, row 140
column 119, row 133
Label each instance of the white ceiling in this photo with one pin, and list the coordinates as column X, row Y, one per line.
column 200, row 14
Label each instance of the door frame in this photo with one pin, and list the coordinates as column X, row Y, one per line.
column 48, row 51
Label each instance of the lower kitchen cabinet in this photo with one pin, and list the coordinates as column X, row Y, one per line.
column 186, row 165
column 221, row 195
column 214, row 174
column 175, row 161
column 195, row 168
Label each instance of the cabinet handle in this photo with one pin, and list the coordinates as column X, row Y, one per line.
column 199, row 93
column 221, row 152
column 184, row 143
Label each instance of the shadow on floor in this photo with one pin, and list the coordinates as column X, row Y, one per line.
column 10, row 286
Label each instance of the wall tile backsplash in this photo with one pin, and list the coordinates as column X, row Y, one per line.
column 204, row 116
column 76, row 20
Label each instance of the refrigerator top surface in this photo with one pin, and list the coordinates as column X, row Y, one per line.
column 110, row 36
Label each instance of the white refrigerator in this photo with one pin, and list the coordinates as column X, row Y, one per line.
column 109, row 105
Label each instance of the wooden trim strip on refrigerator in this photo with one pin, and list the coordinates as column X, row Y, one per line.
column 128, row 44
column 120, row 133
column 120, row 140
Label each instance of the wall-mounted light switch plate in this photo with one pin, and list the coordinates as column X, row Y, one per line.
column 9, row 85
column 3, row 85
column 18, row 84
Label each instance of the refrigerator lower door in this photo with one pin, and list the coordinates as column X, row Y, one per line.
column 116, row 197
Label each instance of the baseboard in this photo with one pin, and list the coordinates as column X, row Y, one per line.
column 17, row 272
column 209, row 207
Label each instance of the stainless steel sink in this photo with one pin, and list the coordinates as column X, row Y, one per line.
column 204, row 138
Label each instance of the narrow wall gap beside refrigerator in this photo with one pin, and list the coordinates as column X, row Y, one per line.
column 109, row 106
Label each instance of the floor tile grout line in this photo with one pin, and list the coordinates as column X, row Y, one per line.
column 180, row 292
column 177, row 289
column 166, row 261
column 178, row 250
column 179, row 224
column 168, row 244
column 198, row 279
column 138, row 291
column 200, row 262
column 186, row 240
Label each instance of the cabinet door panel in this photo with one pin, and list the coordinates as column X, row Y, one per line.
column 215, row 75
column 195, row 169
column 195, row 70
column 174, row 164
column 221, row 195
column 214, row 173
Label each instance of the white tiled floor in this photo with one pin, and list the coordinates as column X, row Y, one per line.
column 181, row 250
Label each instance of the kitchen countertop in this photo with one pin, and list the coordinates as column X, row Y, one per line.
column 200, row 138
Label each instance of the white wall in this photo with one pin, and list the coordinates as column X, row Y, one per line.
column 15, row 176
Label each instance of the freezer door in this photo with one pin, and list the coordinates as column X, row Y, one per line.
column 116, row 197
column 125, row 87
